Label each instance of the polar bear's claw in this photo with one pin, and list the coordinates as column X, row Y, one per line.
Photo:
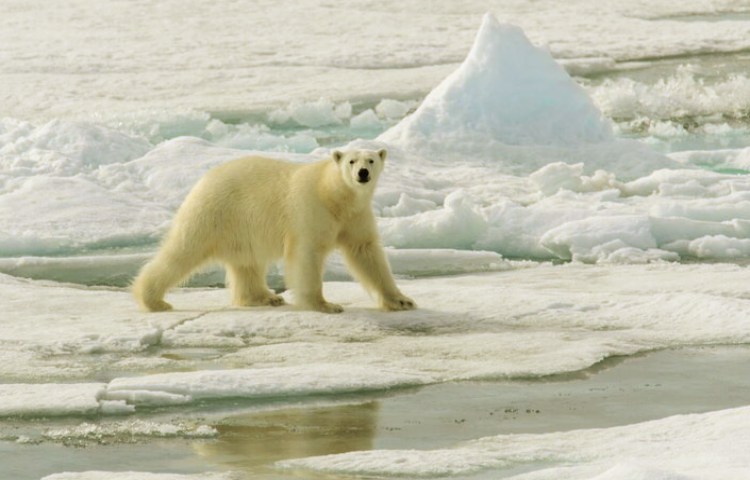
column 400, row 302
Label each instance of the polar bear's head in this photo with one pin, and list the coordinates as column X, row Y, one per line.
column 360, row 168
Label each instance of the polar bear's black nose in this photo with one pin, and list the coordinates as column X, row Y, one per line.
column 364, row 174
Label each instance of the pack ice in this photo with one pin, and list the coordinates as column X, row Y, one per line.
column 507, row 154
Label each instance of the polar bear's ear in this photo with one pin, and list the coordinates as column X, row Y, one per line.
column 382, row 153
column 337, row 155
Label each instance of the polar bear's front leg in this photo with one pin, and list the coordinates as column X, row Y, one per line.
column 369, row 265
column 304, row 273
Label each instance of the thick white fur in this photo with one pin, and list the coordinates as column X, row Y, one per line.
column 250, row 212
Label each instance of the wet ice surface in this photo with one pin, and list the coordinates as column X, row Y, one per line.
column 243, row 436
column 634, row 170
column 525, row 413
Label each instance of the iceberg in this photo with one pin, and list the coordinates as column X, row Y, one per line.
column 508, row 91
column 512, row 104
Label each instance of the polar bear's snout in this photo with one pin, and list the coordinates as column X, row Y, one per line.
column 363, row 175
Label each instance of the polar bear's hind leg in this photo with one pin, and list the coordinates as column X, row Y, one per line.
column 249, row 288
column 170, row 267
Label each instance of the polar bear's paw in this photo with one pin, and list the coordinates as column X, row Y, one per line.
column 271, row 299
column 398, row 302
column 275, row 300
column 158, row 306
column 324, row 307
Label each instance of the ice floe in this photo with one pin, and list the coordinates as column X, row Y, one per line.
column 50, row 399
column 110, row 475
column 525, row 321
column 129, row 430
column 315, row 379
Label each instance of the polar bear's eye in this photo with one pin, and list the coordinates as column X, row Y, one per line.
column 351, row 162
column 372, row 161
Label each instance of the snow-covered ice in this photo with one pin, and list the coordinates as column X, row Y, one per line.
column 317, row 378
column 524, row 322
column 50, row 399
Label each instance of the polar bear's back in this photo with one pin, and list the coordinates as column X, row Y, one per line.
column 252, row 177
column 238, row 209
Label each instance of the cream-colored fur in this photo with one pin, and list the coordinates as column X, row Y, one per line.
column 250, row 212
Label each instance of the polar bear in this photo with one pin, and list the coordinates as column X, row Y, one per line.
column 250, row 212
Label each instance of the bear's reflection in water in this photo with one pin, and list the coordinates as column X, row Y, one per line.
column 254, row 441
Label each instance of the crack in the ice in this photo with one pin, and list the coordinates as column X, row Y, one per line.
column 186, row 320
column 156, row 339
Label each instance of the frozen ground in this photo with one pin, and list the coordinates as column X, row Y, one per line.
column 565, row 185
